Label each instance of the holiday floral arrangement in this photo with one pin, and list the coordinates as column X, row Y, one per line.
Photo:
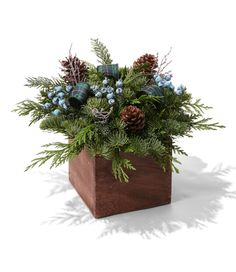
column 110, row 110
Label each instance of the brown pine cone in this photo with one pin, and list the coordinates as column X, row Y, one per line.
column 74, row 70
column 133, row 117
column 146, row 63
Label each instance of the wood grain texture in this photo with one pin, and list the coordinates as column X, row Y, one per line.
column 92, row 178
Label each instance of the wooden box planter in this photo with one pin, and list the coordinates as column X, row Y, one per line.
column 92, row 178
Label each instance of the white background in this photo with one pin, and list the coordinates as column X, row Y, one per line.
column 44, row 226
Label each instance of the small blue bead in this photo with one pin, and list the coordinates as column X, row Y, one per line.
column 171, row 86
column 50, row 95
column 109, row 89
column 61, row 94
column 158, row 78
column 69, row 88
column 46, row 106
column 111, row 101
column 58, row 89
column 105, row 82
column 55, row 100
column 168, row 77
column 61, row 102
column 119, row 91
column 98, row 94
column 65, row 106
column 56, row 112
column 110, row 96
column 167, row 84
column 119, row 83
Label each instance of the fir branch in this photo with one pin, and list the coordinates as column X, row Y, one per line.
column 43, row 83
column 85, row 134
column 118, row 168
column 178, row 150
column 61, row 153
column 101, row 52
column 53, row 124
column 145, row 99
column 195, row 107
column 203, row 124
column 29, row 107
column 117, row 140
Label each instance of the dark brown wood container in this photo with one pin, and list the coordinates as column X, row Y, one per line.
column 92, row 178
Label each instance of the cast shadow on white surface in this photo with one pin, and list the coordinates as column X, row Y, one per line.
column 196, row 200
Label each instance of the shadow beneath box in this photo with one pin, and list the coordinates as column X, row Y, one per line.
column 196, row 200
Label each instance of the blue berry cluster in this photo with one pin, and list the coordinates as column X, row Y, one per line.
column 165, row 82
column 108, row 91
column 57, row 97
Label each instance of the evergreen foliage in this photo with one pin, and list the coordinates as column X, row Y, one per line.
column 101, row 52
column 167, row 117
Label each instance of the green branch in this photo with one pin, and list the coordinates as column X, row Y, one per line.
column 101, row 52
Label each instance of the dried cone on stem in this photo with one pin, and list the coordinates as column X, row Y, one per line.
column 74, row 70
column 146, row 63
column 133, row 117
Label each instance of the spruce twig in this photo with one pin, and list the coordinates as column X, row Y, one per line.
column 101, row 52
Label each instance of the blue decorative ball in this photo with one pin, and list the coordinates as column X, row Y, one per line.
column 61, row 94
column 50, row 95
column 111, row 101
column 56, row 112
column 110, row 96
column 98, row 94
column 55, row 100
column 119, row 83
column 58, row 89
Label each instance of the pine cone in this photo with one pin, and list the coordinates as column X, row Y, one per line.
column 133, row 117
column 74, row 70
column 146, row 64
